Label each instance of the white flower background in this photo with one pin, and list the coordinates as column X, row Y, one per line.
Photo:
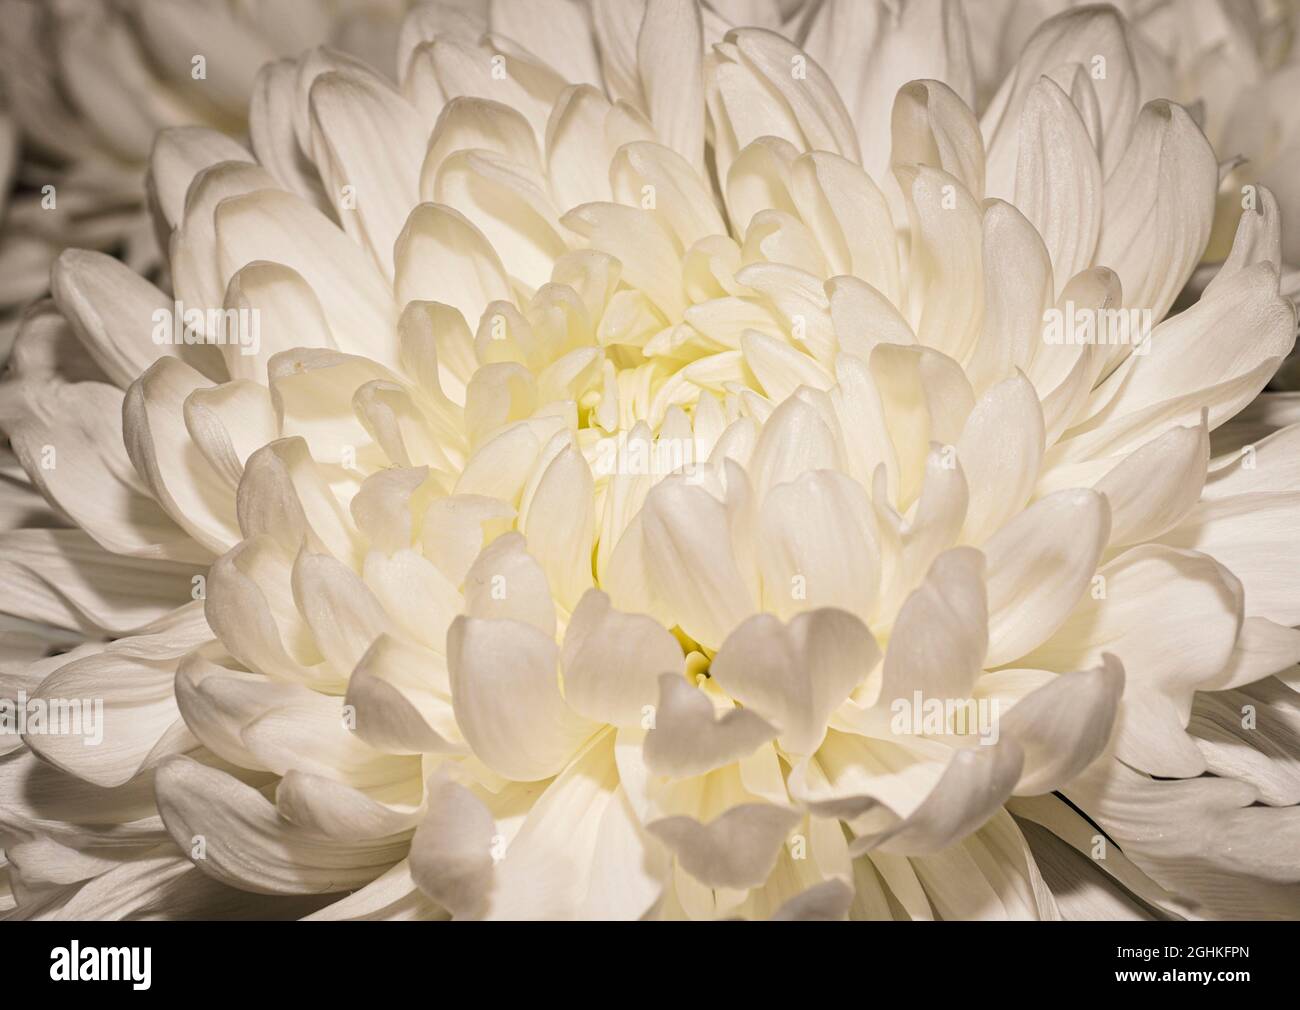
column 398, row 613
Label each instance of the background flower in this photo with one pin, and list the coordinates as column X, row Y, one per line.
column 1235, row 62
column 89, row 83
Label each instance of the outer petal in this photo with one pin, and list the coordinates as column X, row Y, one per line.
column 976, row 782
column 1064, row 725
column 248, row 845
column 1039, row 565
column 1172, row 618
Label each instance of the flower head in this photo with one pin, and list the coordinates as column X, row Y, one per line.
column 643, row 467
column 88, row 86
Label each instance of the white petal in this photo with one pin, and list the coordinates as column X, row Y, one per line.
column 116, row 314
column 580, row 853
column 506, row 582
column 392, row 897
column 183, row 482
column 828, row 902
column 796, row 675
column 1187, row 352
column 931, row 125
column 1252, row 535
column 681, row 196
column 354, row 117
column 1064, row 725
column 669, row 53
column 1017, row 290
column 63, row 578
column 1001, row 449
column 285, row 494
column 815, row 106
column 401, row 697
column 468, row 66
column 1258, row 750
column 456, row 528
column 248, row 845
column 344, row 616
column 276, row 226
column 509, row 204
column 941, row 634
column 1262, row 648
column 793, row 441
column 1171, row 618
column 835, row 196
column 251, row 609
column 1159, row 207
column 558, row 518
column 1201, row 839
column 613, row 660
column 417, row 597
column 179, row 154
column 636, row 238
column 92, row 480
column 1093, row 37
column 690, row 561
column 506, row 692
column 945, row 295
column 442, row 257
column 737, row 849
column 817, row 547
column 1058, row 179
column 690, row 737
column 451, row 853
column 557, row 31
column 1271, row 464
column 1152, row 489
column 1039, row 565
column 122, row 707
column 973, row 786
column 870, row 53
column 344, row 813
column 271, row 115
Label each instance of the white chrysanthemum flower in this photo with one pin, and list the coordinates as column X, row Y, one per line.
column 91, row 82
column 1237, row 62
column 604, row 497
